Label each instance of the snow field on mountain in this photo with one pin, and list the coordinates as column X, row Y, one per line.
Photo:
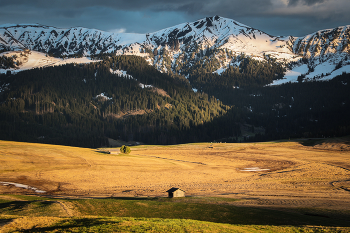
column 37, row 59
column 291, row 75
column 323, row 72
column 328, row 70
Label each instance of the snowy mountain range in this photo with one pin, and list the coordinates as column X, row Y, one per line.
column 318, row 56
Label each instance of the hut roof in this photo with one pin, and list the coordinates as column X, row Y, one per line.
column 174, row 189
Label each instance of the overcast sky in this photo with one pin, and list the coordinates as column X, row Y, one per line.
column 276, row 17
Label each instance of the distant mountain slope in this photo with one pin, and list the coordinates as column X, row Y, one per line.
column 214, row 42
column 218, row 32
column 62, row 42
column 325, row 54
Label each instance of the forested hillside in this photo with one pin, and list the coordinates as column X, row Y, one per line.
column 295, row 110
column 122, row 97
column 83, row 105
column 248, row 73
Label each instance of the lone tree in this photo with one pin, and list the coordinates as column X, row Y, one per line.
column 125, row 149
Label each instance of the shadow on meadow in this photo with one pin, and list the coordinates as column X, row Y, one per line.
column 69, row 225
column 5, row 221
column 209, row 209
column 334, row 142
column 166, row 214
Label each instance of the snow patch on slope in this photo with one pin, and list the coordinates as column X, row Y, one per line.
column 103, row 96
column 322, row 72
column 37, row 60
column 121, row 73
column 291, row 75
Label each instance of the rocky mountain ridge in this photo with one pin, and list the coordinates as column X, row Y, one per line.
column 214, row 42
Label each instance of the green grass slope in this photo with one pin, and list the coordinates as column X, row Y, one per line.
column 190, row 214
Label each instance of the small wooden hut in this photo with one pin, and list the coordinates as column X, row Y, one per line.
column 175, row 192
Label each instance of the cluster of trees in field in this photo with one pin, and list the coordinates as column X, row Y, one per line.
column 7, row 62
column 64, row 105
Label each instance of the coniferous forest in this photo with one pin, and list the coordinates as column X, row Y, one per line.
column 84, row 105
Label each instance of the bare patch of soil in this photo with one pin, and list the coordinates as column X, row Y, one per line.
column 160, row 92
column 123, row 115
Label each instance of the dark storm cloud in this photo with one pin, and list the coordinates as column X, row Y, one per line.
column 277, row 17
column 189, row 6
column 109, row 15
column 307, row 2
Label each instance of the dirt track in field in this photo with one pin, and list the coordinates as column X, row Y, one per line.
column 285, row 174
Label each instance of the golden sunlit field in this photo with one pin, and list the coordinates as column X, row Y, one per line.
column 307, row 173
column 289, row 186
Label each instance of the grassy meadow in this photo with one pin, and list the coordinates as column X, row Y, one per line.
column 286, row 186
column 190, row 214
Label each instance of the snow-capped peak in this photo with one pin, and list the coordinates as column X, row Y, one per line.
column 216, row 39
